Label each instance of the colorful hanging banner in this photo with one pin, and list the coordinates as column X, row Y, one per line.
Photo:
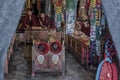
column 28, row 4
column 58, row 14
column 70, row 21
column 95, row 20
column 70, row 15
column 56, row 2
column 98, row 16
column 103, row 21
column 98, row 2
column 58, row 10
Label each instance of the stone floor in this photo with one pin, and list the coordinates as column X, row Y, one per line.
column 19, row 69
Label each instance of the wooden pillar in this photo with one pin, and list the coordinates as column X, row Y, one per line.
column 38, row 4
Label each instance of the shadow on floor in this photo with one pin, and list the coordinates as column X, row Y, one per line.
column 20, row 67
